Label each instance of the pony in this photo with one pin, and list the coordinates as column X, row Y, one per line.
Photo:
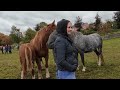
column 88, row 43
column 34, row 51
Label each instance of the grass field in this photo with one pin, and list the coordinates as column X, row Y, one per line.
column 10, row 65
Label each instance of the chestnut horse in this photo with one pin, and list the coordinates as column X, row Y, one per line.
column 34, row 51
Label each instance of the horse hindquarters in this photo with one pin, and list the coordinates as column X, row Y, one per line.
column 26, row 61
column 23, row 62
column 29, row 63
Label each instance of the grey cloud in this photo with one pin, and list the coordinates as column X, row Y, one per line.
column 25, row 19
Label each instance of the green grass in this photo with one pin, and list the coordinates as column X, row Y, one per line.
column 10, row 65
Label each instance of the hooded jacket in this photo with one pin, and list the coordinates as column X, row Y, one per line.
column 66, row 55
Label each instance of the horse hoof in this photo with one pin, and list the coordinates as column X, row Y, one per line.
column 47, row 77
column 78, row 69
column 33, row 77
column 83, row 70
column 99, row 64
column 43, row 69
column 40, row 78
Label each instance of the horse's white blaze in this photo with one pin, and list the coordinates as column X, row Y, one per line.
column 84, row 69
column 21, row 74
column 47, row 73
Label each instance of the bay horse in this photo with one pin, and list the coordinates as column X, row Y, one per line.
column 88, row 43
column 34, row 51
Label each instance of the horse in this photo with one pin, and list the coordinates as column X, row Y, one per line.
column 34, row 51
column 88, row 43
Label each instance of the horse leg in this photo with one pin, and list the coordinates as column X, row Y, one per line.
column 33, row 72
column 39, row 68
column 46, row 66
column 23, row 70
column 82, row 58
column 101, row 56
column 42, row 64
column 98, row 55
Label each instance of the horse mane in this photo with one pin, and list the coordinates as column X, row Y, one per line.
column 74, row 34
column 42, row 36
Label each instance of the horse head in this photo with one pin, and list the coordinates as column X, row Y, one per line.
column 51, row 27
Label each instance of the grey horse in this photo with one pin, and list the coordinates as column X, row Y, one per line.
column 88, row 43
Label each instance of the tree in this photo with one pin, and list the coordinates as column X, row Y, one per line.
column 29, row 35
column 4, row 39
column 114, row 25
column 40, row 25
column 13, row 29
column 97, row 22
column 117, row 18
column 15, row 34
column 78, row 23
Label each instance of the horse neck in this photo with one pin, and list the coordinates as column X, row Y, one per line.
column 76, row 35
column 44, row 35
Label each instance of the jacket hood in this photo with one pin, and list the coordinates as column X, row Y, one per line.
column 62, row 27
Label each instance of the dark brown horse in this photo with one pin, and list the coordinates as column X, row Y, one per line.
column 34, row 51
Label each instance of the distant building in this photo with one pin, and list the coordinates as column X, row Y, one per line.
column 85, row 26
column 92, row 25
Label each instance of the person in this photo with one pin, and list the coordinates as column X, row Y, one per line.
column 65, row 53
column 9, row 48
column 2, row 49
column 6, row 49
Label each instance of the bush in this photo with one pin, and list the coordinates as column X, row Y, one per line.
column 89, row 31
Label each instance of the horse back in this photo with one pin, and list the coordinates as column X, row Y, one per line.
column 24, row 50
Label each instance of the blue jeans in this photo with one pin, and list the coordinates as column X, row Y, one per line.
column 65, row 75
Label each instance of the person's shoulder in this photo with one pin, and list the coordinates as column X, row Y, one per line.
column 60, row 39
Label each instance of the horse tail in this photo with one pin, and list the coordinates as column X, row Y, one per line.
column 28, row 60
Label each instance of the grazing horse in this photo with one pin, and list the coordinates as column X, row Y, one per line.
column 88, row 43
column 34, row 51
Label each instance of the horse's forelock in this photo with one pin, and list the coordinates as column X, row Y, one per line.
column 51, row 27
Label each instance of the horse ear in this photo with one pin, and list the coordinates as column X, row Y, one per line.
column 53, row 22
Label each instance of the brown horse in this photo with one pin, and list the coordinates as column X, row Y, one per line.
column 34, row 51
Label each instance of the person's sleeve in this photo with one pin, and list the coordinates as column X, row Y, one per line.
column 60, row 49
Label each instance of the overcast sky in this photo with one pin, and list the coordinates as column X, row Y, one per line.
column 26, row 19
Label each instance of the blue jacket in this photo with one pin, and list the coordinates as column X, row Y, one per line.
column 66, row 55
